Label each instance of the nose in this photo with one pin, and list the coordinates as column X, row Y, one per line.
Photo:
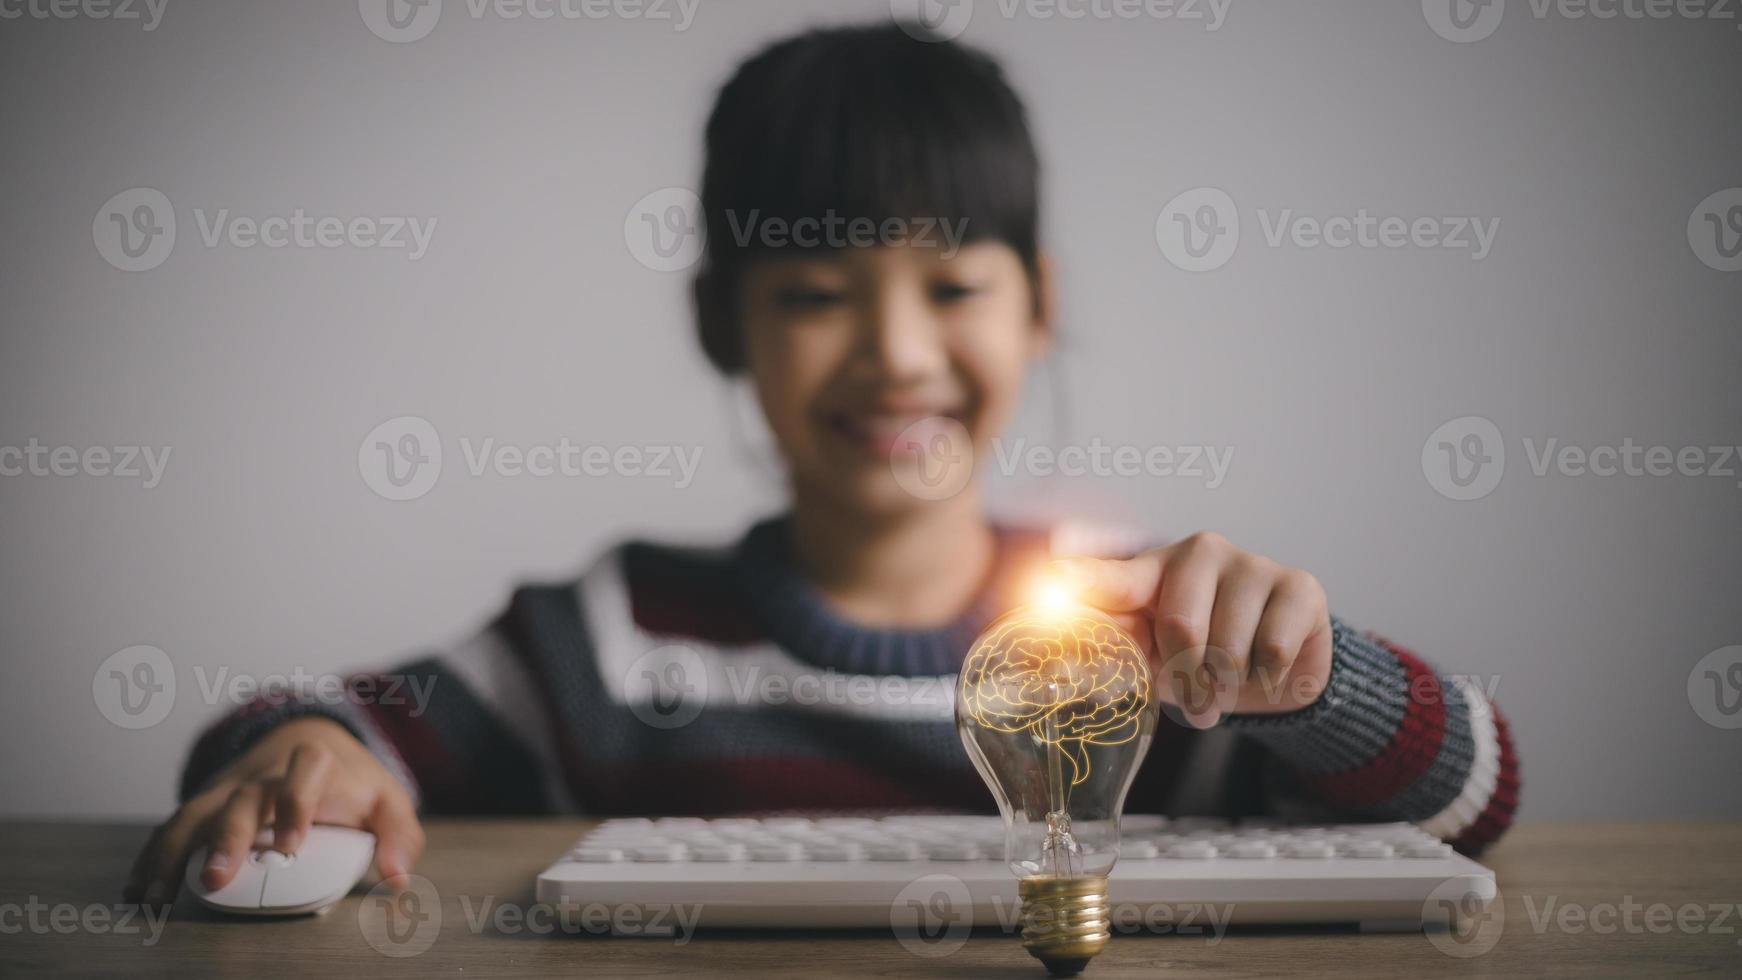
column 902, row 335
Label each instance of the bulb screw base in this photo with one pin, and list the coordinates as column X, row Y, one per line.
column 1065, row 921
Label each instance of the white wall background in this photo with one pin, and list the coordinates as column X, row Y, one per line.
column 1585, row 600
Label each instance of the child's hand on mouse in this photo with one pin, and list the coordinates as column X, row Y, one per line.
column 1232, row 631
column 308, row 770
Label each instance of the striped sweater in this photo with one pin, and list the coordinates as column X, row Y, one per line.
column 673, row 680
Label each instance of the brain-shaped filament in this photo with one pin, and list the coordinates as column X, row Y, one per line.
column 1069, row 679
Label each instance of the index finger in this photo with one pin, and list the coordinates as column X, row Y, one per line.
column 1113, row 584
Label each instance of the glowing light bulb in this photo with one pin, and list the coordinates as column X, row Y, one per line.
column 1054, row 705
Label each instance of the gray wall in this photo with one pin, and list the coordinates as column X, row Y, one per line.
column 1585, row 601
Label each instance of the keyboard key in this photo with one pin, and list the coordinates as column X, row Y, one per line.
column 835, row 852
column 777, row 852
column 1250, row 850
column 1144, row 823
column 1193, row 850
column 719, row 852
column 953, row 852
column 1425, row 849
column 1186, row 825
column 654, row 853
column 596, row 855
column 895, row 852
column 1309, row 849
column 845, row 823
column 1138, row 849
column 1370, row 849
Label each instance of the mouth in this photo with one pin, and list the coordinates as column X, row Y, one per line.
column 887, row 434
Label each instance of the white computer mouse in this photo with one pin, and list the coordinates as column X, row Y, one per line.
column 323, row 870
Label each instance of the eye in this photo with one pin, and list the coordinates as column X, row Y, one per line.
column 807, row 297
column 952, row 292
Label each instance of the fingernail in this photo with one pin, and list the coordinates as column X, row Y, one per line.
column 289, row 841
column 1069, row 569
column 218, row 861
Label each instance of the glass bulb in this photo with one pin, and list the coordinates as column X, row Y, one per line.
column 1054, row 704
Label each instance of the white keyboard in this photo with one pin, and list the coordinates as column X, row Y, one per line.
column 796, row 872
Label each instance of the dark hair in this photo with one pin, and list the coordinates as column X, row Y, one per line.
column 859, row 123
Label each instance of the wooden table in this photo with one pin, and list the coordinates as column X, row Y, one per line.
column 60, row 915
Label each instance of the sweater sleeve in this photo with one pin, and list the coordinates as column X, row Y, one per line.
column 1391, row 739
column 462, row 729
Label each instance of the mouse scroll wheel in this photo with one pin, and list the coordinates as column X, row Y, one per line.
column 273, row 859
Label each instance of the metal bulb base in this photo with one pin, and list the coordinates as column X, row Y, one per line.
column 1065, row 921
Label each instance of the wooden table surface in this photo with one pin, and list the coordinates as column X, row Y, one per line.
column 1640, row 899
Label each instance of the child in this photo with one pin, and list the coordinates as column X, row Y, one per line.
column 856, row 352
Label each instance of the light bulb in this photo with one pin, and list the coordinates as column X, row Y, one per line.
column 1054, row 705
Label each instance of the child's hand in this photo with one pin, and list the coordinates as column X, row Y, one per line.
column 306, row 770
column 1232, row 631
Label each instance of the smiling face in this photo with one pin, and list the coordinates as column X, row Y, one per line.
column 862, row 357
